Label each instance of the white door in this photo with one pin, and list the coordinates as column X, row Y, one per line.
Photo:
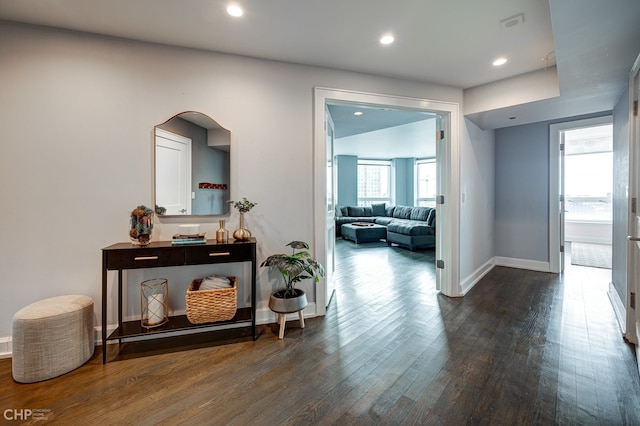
column 441, row 140
column 173, row 173
column 562, row 201
column 331, row 211
column 633, row 255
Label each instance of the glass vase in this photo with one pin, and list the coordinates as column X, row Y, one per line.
column 141, row 226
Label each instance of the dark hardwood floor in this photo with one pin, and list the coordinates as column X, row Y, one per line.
column 521, row 348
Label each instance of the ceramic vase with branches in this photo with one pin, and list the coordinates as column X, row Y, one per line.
column 244, row 206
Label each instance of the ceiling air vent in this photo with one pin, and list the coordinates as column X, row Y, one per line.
column 513, row 21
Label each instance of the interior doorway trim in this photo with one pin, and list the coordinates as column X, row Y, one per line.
column 555, row 217
column 449, row 186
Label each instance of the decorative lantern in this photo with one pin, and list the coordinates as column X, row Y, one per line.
column 154, row 297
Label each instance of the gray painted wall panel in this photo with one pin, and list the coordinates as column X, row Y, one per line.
column 347, row 180
column 522, row 192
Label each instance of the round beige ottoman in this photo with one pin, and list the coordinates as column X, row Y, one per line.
column 52, row 337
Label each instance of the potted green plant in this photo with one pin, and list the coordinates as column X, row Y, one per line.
column 294, row 268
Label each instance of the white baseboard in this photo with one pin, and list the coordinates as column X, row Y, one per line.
column 532, row 265
column 469, row 282
column 5, row 347
column 97, row 333
column 618, row 308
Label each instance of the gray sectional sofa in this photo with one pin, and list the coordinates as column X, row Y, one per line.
column 409, row 227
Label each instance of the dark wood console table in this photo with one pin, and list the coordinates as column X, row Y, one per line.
column 122, row 256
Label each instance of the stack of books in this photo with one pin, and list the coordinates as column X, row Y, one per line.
column 179, row 239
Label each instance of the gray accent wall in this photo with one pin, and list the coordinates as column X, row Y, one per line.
column 347, row 171
column 620, row 198
column 522, row 189
column 522, row 192
column 403, row 181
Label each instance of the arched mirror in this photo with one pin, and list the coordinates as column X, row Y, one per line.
column 191, row 166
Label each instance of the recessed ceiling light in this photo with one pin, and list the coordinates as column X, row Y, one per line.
column 358, row 113
column 387, row 39
column 499, row 61
column 235, row 10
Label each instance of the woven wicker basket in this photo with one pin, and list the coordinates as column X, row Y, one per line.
column 211, row 305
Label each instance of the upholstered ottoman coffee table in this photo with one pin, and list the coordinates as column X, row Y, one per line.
column 362, row 232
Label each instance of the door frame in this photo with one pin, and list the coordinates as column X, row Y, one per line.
column 449, row 187
column 330, row 213
column 631, row 327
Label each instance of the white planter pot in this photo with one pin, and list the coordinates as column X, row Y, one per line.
column 288, row 305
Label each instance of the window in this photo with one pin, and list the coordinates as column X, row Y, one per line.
column 426, row 182
column 589, row 174
column 374, row 182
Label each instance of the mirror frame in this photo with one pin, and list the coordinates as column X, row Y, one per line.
column 218, row 138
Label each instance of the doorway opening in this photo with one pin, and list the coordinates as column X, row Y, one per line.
column 384, row 159
column 588, row 193
column 447, row 241
column 583, row 195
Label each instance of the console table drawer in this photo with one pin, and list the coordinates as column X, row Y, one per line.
column 221, row 254
column 144, row 258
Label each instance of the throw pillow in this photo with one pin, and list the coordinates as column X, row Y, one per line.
column 402, row 212
column 377, row 209
column 420, row 213
column 338, row 211
column 367, row 211
column 388, row 211
column 355, row 211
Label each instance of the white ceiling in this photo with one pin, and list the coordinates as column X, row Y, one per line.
column 449, row 42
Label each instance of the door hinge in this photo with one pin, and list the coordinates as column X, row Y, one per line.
column 440, row 135
column 633, row 205
column 440, row 264
column 632, row 301
column 635, row 108
column 562, row 147
column 562, row 198
column 440, row 199
column 561, row 248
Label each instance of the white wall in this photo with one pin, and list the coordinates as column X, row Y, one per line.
column 477, row 193
column 76, row 124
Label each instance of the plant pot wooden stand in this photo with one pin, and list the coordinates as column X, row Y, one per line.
column 282, row 321
column 283, row 307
